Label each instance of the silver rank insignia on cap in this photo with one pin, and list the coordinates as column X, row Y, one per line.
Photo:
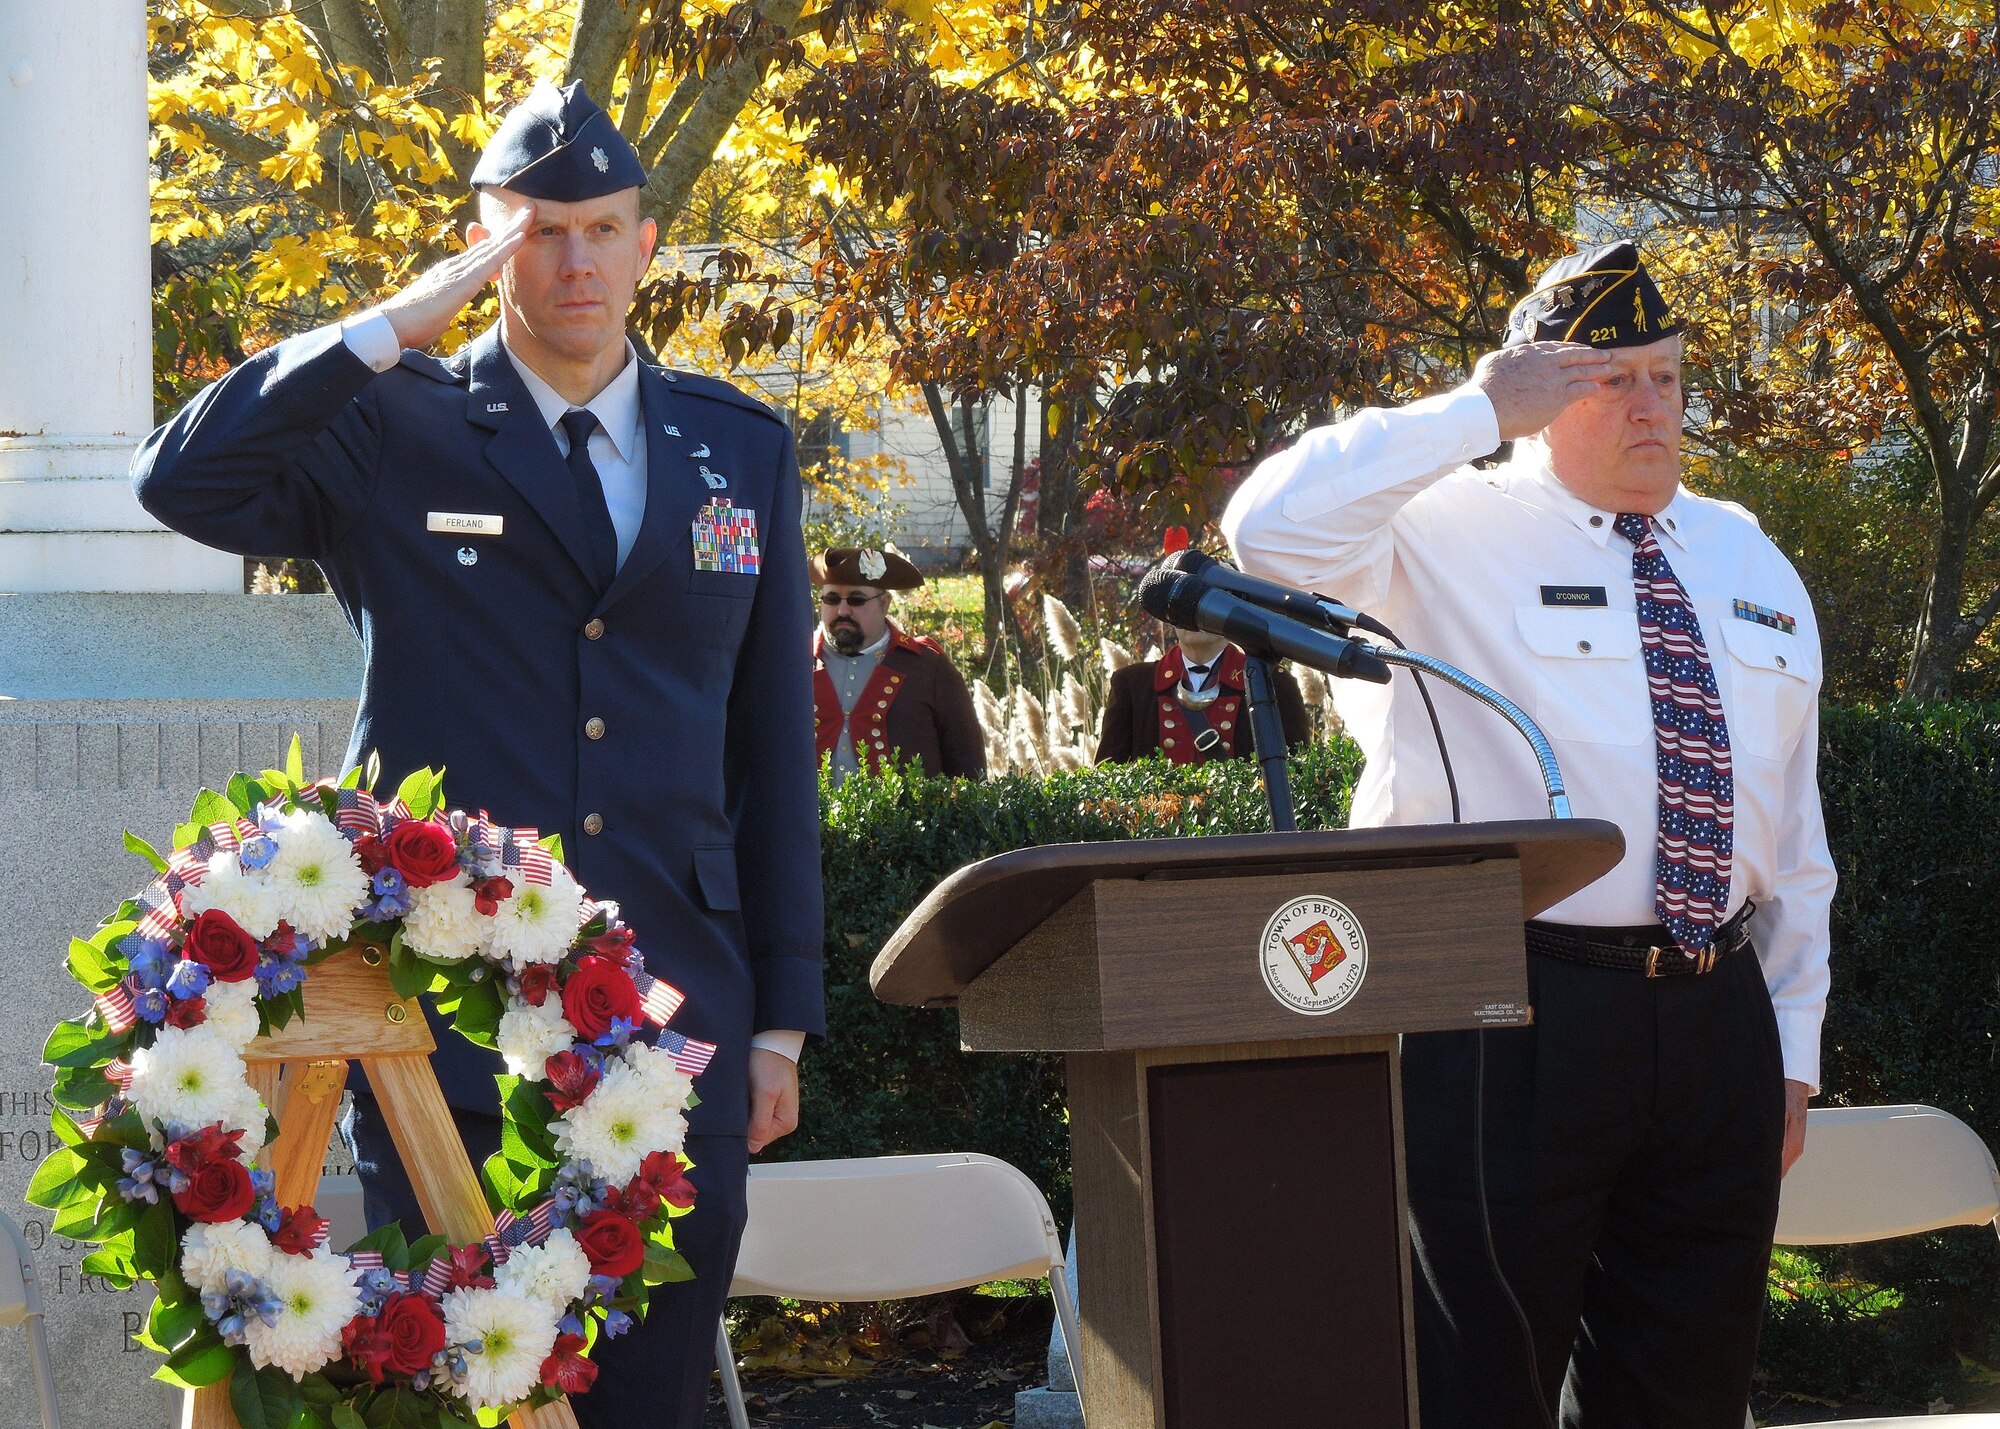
column 599, row 158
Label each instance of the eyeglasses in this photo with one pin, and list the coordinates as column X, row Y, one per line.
column 834, row 597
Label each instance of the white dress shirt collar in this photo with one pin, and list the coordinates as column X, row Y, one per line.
column 1531, row 461
column 616, row 407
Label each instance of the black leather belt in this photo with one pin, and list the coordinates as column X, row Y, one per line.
column 1650, row 950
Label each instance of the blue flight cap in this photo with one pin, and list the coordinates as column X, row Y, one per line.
column 557, row 144
column 1603, row 297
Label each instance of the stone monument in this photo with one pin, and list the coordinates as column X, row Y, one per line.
column 133, row 670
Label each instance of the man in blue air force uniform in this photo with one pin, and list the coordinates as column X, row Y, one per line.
column 580, row 584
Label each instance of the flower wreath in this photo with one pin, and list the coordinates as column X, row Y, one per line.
column 158, row 1123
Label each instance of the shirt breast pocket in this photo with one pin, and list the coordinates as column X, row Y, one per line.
column 1589, row 677
column 1773, row 679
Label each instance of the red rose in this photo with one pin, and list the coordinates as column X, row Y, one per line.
column 218, row 1191
column 215, row 940
column 566, row 1368
column 596, row 992
column 612, row 1242
column 571, row 1079
column 187, row 1011
column 423, row 852
column 414, row 1330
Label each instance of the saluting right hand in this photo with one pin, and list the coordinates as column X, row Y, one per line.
column 421, row 312
column 1530, row 385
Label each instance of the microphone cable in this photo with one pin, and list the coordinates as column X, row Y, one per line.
column 1376, row 627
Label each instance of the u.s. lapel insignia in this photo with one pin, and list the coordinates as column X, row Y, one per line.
column 715, row 479
column 699, row 452
column 496, row 406
column 673, row 431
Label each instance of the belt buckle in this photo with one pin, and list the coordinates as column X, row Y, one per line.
column 1653, row 961
column 1705, row 959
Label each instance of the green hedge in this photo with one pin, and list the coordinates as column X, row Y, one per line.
column 1912, row 808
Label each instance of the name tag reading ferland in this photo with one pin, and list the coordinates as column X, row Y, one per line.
column 460, row 523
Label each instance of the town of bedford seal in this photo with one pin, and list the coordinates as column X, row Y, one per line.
column 1314, row 955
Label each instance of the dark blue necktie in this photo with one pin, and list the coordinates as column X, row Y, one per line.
column 1696, row 847
column 597, row 527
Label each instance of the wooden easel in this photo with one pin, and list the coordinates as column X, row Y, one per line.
column 352, row 1012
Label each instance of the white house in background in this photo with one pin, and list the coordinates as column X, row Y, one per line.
column 928, row 524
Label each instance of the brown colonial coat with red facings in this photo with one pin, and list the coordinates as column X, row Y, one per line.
column 1143, row 713
column 915, row 703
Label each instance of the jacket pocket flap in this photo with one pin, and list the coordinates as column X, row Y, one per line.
column 1578, row 634
column 1768, row 649
column 715, row 871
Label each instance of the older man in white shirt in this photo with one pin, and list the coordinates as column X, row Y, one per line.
column 1635, row 1135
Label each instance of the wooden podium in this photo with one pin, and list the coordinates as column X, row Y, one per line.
column 1242, row 1247
column 352, row 1011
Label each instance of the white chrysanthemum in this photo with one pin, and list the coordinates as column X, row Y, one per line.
column 318, row 1295
column 514, row 1332
column 211, row 1251
column 537, row 923
column 530, row 1035
column 250, row 898
column 189, row 1076
column 555, row 1272
column 318, row 879
column 657, row 1068
column 444, row 921
column 624, row 1121
column 245, row 1112
column 232, row 1011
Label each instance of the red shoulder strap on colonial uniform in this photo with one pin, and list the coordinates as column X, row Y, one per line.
column 1224, row 715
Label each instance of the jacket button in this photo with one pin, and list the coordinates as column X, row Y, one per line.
column 1228, row 724
column 594, row 630
column 593, row 823
column 594, row 727
column 1167, row 743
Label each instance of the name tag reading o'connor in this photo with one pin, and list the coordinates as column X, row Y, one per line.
column 458, row 523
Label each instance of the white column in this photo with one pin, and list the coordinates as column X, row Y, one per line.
column 76, row 347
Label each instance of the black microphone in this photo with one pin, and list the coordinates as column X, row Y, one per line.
column 1271, row 595
column 1186, row 600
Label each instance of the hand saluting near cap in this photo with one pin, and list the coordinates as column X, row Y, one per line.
column 421, row 312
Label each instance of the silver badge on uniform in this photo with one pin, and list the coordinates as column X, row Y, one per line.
column 467, row 556
column 700, row 451
column 716, row 480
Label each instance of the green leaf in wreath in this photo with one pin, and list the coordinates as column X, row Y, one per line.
column 477, row 1016
column 295, row 761
column 66, row 1048
column 136, row 845
column 320, row 1392
column 113, row 1261
column 82, row 1088
column 423, row 1251
column 373, row 772
column 395, row 1250
column 408, row 973
column 553, row 843
column 265, row 1398
column 92, row 966
column 212, row 808
column 155, row 1247
column 170, row 1325
column 55, row 1178
column 345, row 1418
column 417, row 794
column 665, row 1265
column 203, row 1360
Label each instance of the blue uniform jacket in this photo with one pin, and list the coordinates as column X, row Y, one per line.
column 704, row 775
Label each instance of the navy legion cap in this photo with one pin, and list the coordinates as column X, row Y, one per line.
column 1602, row 296
column 557, row 144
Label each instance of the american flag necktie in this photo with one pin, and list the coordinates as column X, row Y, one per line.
column 1697, row 791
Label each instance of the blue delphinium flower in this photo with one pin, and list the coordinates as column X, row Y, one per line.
column 393, row 898
column 149, row 1002
column 278, row 973
column 242, row 1295
column 188, row 979
column 376, row 1286
column 616, row 1323
column 618, row 1033
column 141, row 1179
column 257, row 852
column 149, row 960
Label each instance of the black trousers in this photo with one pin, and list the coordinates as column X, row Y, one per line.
column 656, row 1375
column 1633, row 1138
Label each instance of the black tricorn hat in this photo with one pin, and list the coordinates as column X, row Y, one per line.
column 557, row 144
column 1603, row 297
column 865, row 565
